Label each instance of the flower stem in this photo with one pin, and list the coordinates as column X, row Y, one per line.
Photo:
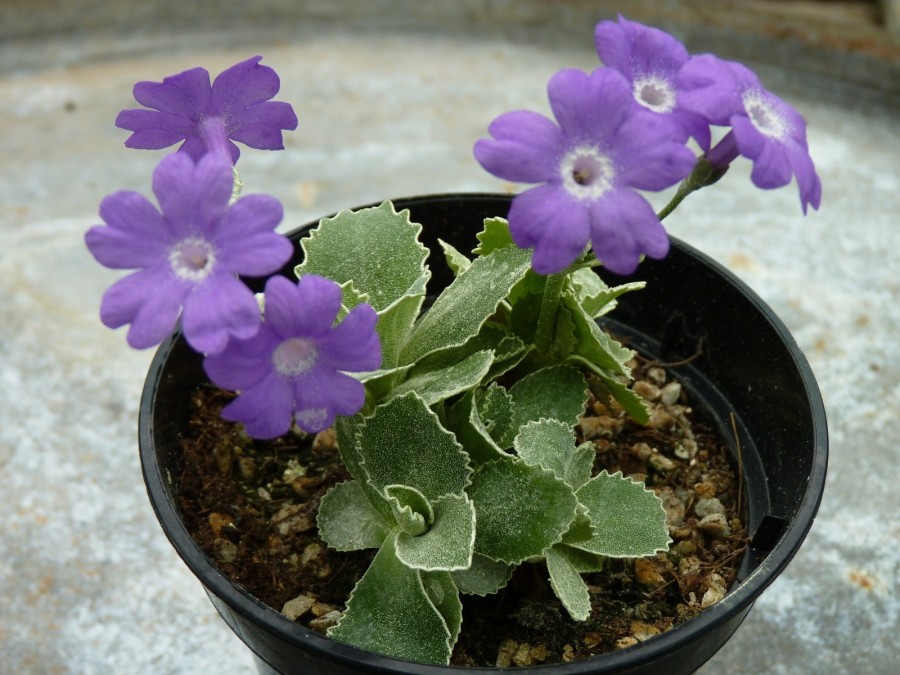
column 703, row 174
column 543, row 336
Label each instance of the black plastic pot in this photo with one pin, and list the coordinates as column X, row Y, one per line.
column 749, row 376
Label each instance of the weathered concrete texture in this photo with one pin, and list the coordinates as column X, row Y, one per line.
column 88, row 583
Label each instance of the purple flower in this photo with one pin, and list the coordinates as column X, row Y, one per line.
column 651, row 59
column 294, row 367
column 765, row 129
column 590, row 164
column 188, row 255
column 208, row 118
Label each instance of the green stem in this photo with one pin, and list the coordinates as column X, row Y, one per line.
column 543, row 336
column 703, row 174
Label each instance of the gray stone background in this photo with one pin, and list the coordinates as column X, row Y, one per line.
column 391, row 95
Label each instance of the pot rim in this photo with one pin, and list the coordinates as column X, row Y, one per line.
column 737, row 600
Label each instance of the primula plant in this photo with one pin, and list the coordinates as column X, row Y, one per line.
column 455, row 413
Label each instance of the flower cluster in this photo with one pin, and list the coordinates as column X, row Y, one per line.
column 457, row 424
column 189, row 256
column 623, row 128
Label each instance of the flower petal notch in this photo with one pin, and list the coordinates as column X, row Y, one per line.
column 294, row 369
column 210, row 117
column 187, row 255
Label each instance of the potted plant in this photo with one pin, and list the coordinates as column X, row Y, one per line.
column 457, row 396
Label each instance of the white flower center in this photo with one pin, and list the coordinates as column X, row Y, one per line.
column 295, row 356
column 767, row 119
column 192, row 259
column 655, row 94
column 312, row 418
column 586, row 173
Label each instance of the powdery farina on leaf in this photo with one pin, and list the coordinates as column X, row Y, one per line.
column 185, row 107
column 765, row 129
column 590, row 163
column 187, row 255
column 294, row 368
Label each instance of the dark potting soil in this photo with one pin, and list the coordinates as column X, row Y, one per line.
column 251, row 505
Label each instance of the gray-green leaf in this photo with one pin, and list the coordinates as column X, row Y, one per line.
column 403, row 443
column 448, row 543
column 483, row 577
column 629, row 520
column 467, row 303
column 347, row 521
column 568, row 585
column 377, row 248
column 556, row 392
column 391, row 612
column 521, row 510
column 437, row 385
column 551, row 444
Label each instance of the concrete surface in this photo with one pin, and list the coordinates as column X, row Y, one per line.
column 391, row 96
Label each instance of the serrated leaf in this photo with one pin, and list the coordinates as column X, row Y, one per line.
column 412, row 511
column 448, row 544
column 467, row 303
column 483, row 577
column 594, row 296
column 391, row 612
column 347, row 521
column 495, row 409
column 555, row 392
column 377, row 248
column 521, row 510
column 629, row 520
column 437, row 385
column 350, row 298
column 551, row 444
column 592, row 344
column 395, row 442
column 456, row 261
column 581, row 528
column 584, row 562
column 568, row 585
column 463, row 420
column 564, row 341
column 495, row 235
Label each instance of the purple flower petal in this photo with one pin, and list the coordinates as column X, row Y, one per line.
column 188, row 256
column 299, row 352
column 622, row 227
column 220, row 307
column 186, row 93
column 265, row 410
column 185, row 107
column 636, row 50
column 244, row 84
column 523, row 147
column 260, row 125
column 575, row 98
column 322, row 395
column 353, row 344
column 252, row 220
column 243, row 363
column 149, row 301
column 553, row 223
column 136, row 235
